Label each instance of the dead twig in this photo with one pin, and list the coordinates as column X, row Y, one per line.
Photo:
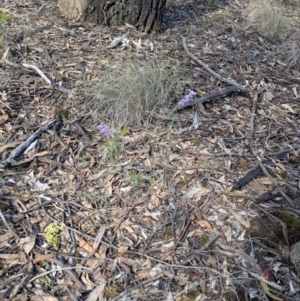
column 261, row 278
column 274, row 181
column 23, row 146
column 122, row 219
column 135, row 287
column 185, row 226
column 277, row 220
column 63, row 268
column 69, row 272
column 81, row 131
column 47, row 78
column 55, row 130
column 56, row 164
column 9, row 227
column 208, row 69
column 210, row 242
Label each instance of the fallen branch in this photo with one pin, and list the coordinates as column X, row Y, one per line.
column 23, row 146
column 217, row 95
column 214, row 96
column 208, row 69
column 252, row 174
column 46, row 78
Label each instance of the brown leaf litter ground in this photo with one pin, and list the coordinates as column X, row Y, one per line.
column 149, row 214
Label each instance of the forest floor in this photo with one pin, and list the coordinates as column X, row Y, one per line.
column 184, row 203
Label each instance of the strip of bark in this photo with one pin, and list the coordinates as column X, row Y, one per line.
column 23, row 146
column 252, row 174
column 214, row 96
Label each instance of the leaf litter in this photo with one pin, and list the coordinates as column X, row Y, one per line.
column 155, row 212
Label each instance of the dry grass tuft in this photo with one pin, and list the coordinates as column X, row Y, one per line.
column 131, row 92
column 268, row 18
column 293, row 59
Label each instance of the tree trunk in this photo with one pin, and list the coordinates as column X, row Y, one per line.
column 145, row 15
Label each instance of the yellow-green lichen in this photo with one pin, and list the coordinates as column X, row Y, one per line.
column 271, row 232
column 290, row 194
column 52, row 234
column 294, row 159
column 199, row 242
column 229, row 296
column 168, row 233
column 192, row 294
column 62, row 113
column 112, row 291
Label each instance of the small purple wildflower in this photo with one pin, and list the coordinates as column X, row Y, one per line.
column 104, row 130
column 186, row 98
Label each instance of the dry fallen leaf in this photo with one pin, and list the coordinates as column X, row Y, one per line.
column 28, row 243
column 98, row 292
column 196, row 192
column 243, row 221
column 265, row 274
column 96, row 176
column 196, row 232
column 204, row 224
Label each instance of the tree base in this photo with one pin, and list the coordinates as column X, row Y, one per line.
column 144, row 15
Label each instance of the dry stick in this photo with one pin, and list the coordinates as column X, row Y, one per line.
column 274, row 182
column 239, row 195
column 180, row 266
column 48, row 79
column 122, row 219
column 261, row 278
column 283, row 225
column 69, row 272
column 208, row 69
column 9, row 227
column 39, row 72
column 10, row 280
column 211, row 241
column 22, row 147
column 62, row 269
column 135, row 287
column 184, row 228
column 56, row 164
column 40, row 205
column 82, row 132
column 252, row 123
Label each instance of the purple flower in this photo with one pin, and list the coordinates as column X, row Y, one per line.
column 186, row 98
column 104, row 130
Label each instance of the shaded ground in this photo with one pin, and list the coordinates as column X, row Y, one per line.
column 153, row 216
